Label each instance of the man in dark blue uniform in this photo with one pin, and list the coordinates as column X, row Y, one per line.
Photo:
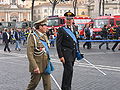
column 67, row 47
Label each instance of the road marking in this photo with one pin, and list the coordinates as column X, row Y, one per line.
column 110, row 68
column 56, row 60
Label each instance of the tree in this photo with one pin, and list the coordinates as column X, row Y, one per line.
column 103, row 7
column 100, row 2
column 54, row 3
column 89, row 4
column 32, row 8
column 75, row 6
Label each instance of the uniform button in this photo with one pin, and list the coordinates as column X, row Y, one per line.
column 67, row 36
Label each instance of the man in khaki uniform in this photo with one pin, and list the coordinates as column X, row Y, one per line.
column 39, row 60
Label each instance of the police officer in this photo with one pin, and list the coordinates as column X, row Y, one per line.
column 87, row 36
column 37, row 56
column 118, row 37
column 66, row 48
column 104, row 34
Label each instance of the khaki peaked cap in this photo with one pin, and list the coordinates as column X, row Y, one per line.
column 42, row 21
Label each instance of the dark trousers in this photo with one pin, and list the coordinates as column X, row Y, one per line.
column 88, row 44
column 67, row 75
column 103, row 44
column 107, row 47
column 7, row 46
column 115, row 45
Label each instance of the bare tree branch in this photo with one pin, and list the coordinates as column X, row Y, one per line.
column 54, row 3
column 75, row 6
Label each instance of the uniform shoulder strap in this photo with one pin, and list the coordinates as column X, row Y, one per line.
column 35, row 42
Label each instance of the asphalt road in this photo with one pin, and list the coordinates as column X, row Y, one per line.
column 14, row 73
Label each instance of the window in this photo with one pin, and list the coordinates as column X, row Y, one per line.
column 56, row 11
column 99, row 23
column 38, row 11
column 112, row 22
column 60, row 11
column 45, row 10
column 39, row 17
column 34, row 17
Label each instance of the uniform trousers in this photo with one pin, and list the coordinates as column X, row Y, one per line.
column 115, row 45
column 87, row 43
column 35, row 78
column 107, row 47
column 67, row 75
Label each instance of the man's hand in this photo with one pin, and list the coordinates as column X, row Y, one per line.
column 62, row 59
column 37, row 70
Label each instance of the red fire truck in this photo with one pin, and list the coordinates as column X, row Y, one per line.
column 99, row 23
column 55, row 21
column 81, row 21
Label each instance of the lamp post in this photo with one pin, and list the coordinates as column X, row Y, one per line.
column 32, row 8
column 75, row 6
column 103, row 6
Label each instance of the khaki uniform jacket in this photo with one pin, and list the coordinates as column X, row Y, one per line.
column 36, row 61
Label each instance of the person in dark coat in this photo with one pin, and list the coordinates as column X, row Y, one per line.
column 87, row 36
column 118, row 37
column 66, row 49
column 6, row 40
column 104, row 34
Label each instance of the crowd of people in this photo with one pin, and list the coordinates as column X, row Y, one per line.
column 15, row 36
column 105, row 32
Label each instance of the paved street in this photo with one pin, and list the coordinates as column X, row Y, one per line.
column 14, row 73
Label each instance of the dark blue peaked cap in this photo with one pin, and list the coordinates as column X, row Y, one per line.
column 69, row 14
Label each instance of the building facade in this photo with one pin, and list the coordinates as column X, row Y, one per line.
column 12, row 10
column 111, row 7
column 44, row 10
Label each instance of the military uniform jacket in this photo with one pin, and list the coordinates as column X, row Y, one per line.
column 66, row 46
column 36, row 61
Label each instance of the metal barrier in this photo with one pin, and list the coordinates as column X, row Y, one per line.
column 92, row 40
column 99, row 40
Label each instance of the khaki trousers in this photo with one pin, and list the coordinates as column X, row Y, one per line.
column 35, row 78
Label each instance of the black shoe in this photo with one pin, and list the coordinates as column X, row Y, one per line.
column 9, row 51
column 99, row 47
column 108, row 48
column 19, row 49
column 113, row 50
column 119, row 49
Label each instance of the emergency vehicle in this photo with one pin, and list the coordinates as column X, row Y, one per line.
column 99, row 22
column 55, row 21
column 81, row 21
